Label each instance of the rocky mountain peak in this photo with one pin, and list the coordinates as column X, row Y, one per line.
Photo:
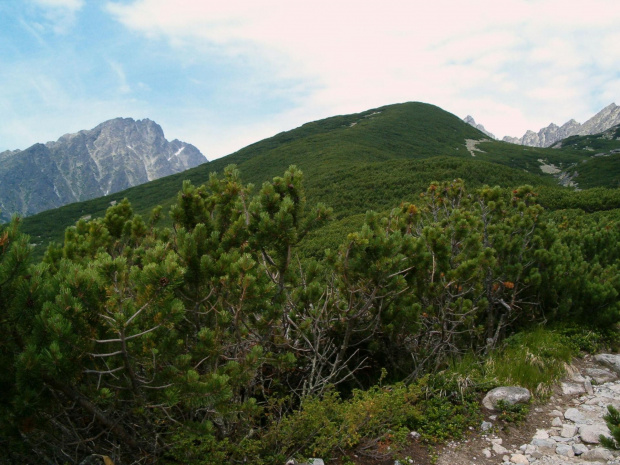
column 472, row 122
column 115, row 155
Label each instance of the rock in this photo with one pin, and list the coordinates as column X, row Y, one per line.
column 556, row 413
column 499, row 449
column 571, row 389
column 111, row 157
column 541, row 434
column 611, row 361
column 579, row 449
column 509, row 394
column 486, row 426
column 577, row 378
column 568, row 431
column 565, row 450
column 519, row 458
column 574, row 415
column 598, row 454
column 590, row 433
column 470, row 120
column 601, row 375
column 546, row 446
column 487, row 453
column 557, row 422
column 414, row 435
column 545, row 137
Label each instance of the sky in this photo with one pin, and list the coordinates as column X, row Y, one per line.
column 224, row 74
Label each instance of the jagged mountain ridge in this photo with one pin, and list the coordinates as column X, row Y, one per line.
column 545, row 137
column 113, row 156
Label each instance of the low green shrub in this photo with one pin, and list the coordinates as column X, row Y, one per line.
column 370, row 423
column 512, row 413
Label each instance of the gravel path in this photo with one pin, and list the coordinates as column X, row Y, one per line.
column 564, row 430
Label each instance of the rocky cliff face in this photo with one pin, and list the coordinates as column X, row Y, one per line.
column 470, row 120
column 115, row 155
column 603, row 120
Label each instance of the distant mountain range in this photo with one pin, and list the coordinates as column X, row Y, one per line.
column 546, row 137
column 115, row 155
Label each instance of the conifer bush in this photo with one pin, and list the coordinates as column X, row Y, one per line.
column 217, row 337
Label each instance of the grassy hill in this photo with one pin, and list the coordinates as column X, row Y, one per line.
column 370, row 160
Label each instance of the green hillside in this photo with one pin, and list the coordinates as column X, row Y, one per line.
column 354, row 163
column 601, row 166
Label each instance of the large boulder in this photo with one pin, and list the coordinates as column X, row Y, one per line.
column 590, row 433
column 609, row 360
column 509, row 394
column 601, row 375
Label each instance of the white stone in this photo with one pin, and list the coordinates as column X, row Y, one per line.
column 571, row 389
column 556, row 422
column 590, row 433
column 565, row 450
column 546, row 446
column 579, row 449
column 601, row 375
column 611, row 361
column 541, row 434
column 598, row 454
column 519, row 458
column 509, row 394
column 487, row 453
column 568, row 431
column 577, row 378
column 499, row 449
column 574, row 415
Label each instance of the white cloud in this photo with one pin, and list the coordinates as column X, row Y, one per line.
column 72, row 5
column 512, row 64
column 118, row 70
column 59, row 15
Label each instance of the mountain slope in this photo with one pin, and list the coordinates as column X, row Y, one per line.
column 113, row 156
column 353, row 163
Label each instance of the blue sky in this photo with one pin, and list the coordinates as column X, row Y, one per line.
column 222, row 76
